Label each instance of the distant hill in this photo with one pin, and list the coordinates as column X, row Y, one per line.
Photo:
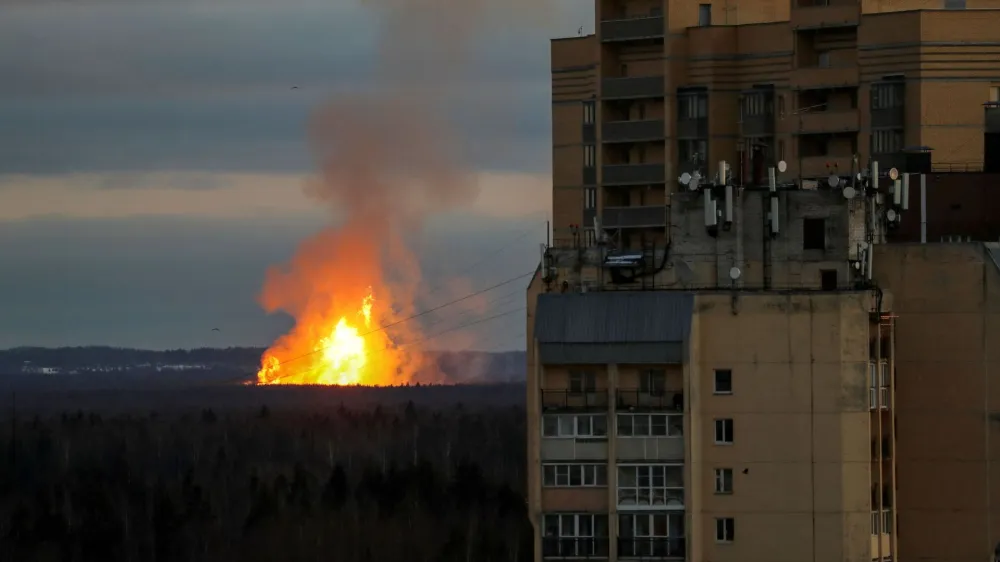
column 459, row 367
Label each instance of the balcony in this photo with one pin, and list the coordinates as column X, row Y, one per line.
column 650, row 400
column 816, row 122
column 823, row 77
column 692, row 128
column 635, row 217
column 818, row 17
column 588, row 217
column 758, row 125
column 824, row 166
column 993, row 117
column 633, row 174
column 889, row 118
column 651, row 547
column 645, row 499
column 632, row 87
column 574, row 400
column 632, row 29
column 634, row 131
column 587, row 548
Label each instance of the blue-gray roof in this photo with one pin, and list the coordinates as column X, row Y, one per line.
column 614, row 317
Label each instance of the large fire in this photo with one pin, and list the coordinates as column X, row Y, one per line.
column 339, row 358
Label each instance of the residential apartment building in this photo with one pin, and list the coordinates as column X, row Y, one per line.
column 743, row 369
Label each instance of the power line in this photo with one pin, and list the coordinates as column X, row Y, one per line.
column 432, row 336
column 418, row 315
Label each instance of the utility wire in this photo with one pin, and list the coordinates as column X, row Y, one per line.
column 417, row 315
column 432, row 336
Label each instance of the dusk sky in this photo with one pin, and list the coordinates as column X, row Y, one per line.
column 152, row 157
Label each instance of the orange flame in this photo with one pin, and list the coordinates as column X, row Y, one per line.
column 341, row 357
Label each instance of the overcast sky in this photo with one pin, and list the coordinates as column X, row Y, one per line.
column 152, row 157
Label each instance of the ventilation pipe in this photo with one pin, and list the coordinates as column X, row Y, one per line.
column 711, row 211
column 874, row 182
column 906, row 192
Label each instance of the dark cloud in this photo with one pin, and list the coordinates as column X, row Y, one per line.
column 165, row 282
column 109, row 86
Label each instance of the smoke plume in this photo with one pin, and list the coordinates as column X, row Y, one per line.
column 387, row 159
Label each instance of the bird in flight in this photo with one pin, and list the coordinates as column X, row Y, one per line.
column 216, row 330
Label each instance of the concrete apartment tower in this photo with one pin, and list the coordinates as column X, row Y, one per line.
column 726, row 360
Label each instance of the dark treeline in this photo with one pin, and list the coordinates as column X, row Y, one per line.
column 457, row 366
column 382, row 484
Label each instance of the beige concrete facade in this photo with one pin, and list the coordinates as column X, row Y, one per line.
column 799, row 408
column 819, row 86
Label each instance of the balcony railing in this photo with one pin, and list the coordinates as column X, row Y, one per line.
column 632, row 29
column 660, row 400
column 692, row 128
column 662, row 498
column 632, row 87
column 816, row 17
column 824, row 166
column 889, row 118
column 651, row 547
column 635, row 217
column 822, row 77
column 828, row 121
column 758, row 125
column 564, row 399
column 592, row 548
column 634, row 131
column 633, row 174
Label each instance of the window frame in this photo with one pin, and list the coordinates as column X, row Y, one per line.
column 576, row 433
column 715, row 382
column 668, row 489
column 670, row 422
column 723, row 476
column 589, row 155
column 720, row 428
column 582, row 381
column 589, row 112
column 722, row 533
column 561, row 475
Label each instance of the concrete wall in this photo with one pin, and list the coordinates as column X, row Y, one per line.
column 801, row 453
column 947, row 299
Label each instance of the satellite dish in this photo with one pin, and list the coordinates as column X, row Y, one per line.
column 864, row 245
column 859, row 176
column 892, row 215
column 849, row 192
column 735, row 273
column 893, row 174
column 833, row 180
column 782, row 166
column 857, row 265
column 685, row 178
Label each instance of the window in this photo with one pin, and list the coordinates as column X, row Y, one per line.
column 589, row 156
column 589, row 112
column 589, row 237
column 590, row 198
column 575, row 425
column 692, row 106
column 650, row 425
column 575, row 535
column 954, row 4
column 723, row 381
column 887, row 95
column 886, row 141
column 575, row 475
column 582, row 381
column 704, row 15
column 653, row 381
column 814, row 234
column 693, row 151
column 724, row 431
column 723, row 481
column 651, row 485
column 725, row 529
column 781, row 150
column 646, row 535
column 828, row 279
column 823, row 59
column 995, row 94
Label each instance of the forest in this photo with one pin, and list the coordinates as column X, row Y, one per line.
column 346, row 483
